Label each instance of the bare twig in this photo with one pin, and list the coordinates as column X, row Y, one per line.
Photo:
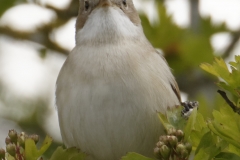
column 68, row 13
column 236, row 37
column 230, row 103
column 41, row 36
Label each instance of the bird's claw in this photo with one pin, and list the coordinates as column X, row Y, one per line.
column 188, row 108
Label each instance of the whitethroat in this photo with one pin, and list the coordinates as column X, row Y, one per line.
column 113, row 84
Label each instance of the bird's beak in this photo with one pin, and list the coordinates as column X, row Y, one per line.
column 105, row 3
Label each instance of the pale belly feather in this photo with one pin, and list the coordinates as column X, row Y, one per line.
column 108, row 109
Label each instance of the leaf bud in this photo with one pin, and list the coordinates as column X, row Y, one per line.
column 21, row 139
column 171, row 131
column 188, row 147
column 165, row 152
column 179, row 135
column 180, row 148
column 8, row 141
column 173, row 141
column 35, row 138
column 2, row 153
column 163, row 139
column 184, row 154
column 159, row 144
column 13, row 136
column 11, row 149
column 156, row 152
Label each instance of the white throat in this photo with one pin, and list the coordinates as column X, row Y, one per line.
column 107, row 25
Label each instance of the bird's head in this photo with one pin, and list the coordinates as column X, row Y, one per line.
column 107, row 20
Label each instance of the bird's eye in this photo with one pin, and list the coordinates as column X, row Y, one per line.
column 86, row 5
column 124, row 2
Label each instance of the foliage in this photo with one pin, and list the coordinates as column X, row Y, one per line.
column 208, row 138
column 182, row 44
column 229, row 80
column 24, row 147
column 208, row 130
column 134, row 156
column 68, row 154
column 20, row 146
column 213, row 137
column 217, row 137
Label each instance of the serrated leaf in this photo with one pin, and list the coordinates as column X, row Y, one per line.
column 236, row 64
column 172, row 118
column 219, row 68
column 227, row 156
column 190, row 124
column 175, row 118
column 225, row 125
column 229, row 80
column 198, row 130
column 164, row 121
column 189, row 52
column 46, row 144
column 207, row 148
column 200, row 122
column 208, row 29
column 209, row 68
column 135, row 156
column 9, row 157
column 68, row 154
column 234, row 149
column 196, row 137
column 31, row 151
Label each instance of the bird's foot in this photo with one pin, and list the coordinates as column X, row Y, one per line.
column 188, row 108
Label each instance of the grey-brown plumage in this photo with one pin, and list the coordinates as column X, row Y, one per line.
column 112, row 84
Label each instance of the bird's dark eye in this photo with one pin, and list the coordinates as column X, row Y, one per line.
column 86, row 4
column 124, row 2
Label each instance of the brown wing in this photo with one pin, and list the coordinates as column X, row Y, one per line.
column 174, row 86
column 176, row 90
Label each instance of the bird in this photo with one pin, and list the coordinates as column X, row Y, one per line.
column 113, row 84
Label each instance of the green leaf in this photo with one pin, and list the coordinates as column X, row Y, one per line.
column 190, row 124
column 208, row 29
column 207, row 148
column 189, row 52
column 229, row 79
column 31, row 151
column 164, row 121
column 196, row 137
column 135, row 156
column 234, row 149
column 172, row 118
column 226, row 125
column 9, row 157
column 198, row 129
column 227, row 156
column 236, row 64
column 200, row 122
column 219, row 68
column 175, row 118
column 68, row 154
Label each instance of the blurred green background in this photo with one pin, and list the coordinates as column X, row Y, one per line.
column 36, row 36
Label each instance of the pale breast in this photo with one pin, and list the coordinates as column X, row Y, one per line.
column 108, row 99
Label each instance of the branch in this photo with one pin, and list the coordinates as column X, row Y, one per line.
column 41, row 36
column 230, row 103
column 236, row 36
column 68, row 13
